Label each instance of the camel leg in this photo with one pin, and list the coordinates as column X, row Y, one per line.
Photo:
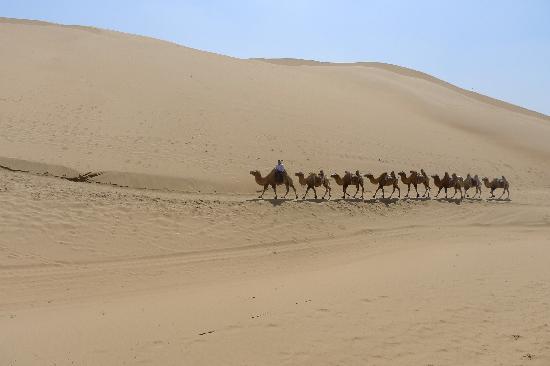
column 315, row 192
column 362, row 192
column 503, row 191
column 383, row 192
column 408, row 190
column 294, row 189
column 305, row 194
column 392, row 191
column 327, row 190
column 375, row 192
column 416, row 189
column 265, row 188
column 356, row 191
column 345, row 188
column 399, row 191
column 439, row 191
column 492, row 193
column 274, row 186
column 286, row 185
column 446, row 192
column 427, row 191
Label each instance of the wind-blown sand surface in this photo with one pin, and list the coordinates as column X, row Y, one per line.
column 192, row 269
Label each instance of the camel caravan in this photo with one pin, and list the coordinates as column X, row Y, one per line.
column 279, row 176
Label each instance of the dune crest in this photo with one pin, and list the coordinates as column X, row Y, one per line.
column 109, row 101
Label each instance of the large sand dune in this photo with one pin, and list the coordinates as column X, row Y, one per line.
column 194, row 270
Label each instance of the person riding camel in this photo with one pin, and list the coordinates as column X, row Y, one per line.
column 279, row 171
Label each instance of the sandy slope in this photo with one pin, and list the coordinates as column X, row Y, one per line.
column 97, row 274
column 90, row 99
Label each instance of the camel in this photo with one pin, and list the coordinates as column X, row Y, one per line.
column 497, row 183
column 350, row 180
column 415, row 179
column 472, row 182
column 457, row 182
column 421, row 178
column 384, row 180
column 442, row 183
column 313, row 180
column 270, row 180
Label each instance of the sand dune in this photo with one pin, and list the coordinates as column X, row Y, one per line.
column 90, row 99
column 191, row 268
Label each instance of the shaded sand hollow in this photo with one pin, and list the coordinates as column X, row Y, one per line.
column 183, row 265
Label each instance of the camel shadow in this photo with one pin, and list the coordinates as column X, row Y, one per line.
column 314, row 200
column 421, row 199
column 348, row 200
column 495, row 199
column 273, row 201
column 385, row 201
column 473, row 199
column 456, row 201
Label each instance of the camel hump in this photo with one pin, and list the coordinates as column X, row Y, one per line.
column 504, row 178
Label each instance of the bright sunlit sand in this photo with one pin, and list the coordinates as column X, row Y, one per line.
column 172, row 259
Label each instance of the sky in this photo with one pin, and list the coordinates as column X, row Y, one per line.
column 499, row 48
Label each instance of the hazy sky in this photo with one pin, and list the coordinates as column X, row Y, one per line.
column 499, row 48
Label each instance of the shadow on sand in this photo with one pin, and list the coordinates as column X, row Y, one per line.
column 314, row 200
column 349, row 200
column 457, row 201
column 497, row 199
column 422, row 199
column 385, row 201
column 273, row 201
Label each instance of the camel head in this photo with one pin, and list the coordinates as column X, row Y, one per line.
column 368, row 175
column 255, row 173
column 413, row 172
column 485, row 180
column 335, row 175
column 299, row 174
column 402, row 174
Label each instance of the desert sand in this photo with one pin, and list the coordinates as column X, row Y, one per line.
column 171, row 259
